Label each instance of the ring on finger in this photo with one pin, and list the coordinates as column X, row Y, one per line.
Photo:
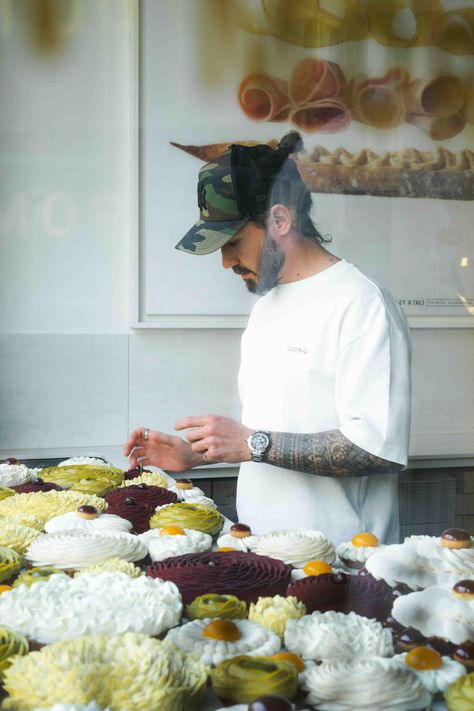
column 146, row 433
column 205, row 457
column 141, row 459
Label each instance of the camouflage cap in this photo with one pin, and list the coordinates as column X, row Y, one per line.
column 231, row 190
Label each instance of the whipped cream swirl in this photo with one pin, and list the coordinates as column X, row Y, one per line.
column 63, row 608
column 436, row 680
column 161, row 546
column 73, row 521
column 295, row 547
column 78, row 549
column 14, row 475
column 318, row 636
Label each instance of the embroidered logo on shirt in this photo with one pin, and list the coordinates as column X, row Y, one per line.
column 296, row 349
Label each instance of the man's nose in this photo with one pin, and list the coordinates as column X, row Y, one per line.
column 228, row 258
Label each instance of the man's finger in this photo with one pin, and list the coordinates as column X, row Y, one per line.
column 195, row 434
column 133, row 440
column 201, row 445
column 188, row 422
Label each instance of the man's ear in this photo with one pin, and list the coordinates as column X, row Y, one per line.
column 281, row 219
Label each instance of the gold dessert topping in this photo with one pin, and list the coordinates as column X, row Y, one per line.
column 5, row 588
column 172, row 531
column 363, row 540
column 424, row 658
column 317, row 567
column 292, row 658
column 224, row 630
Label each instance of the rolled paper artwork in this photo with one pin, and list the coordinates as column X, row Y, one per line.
column 439, row 129
column 454, row 31
column 402, row 23
column 325, row 116
column 440, row 96
column 264, row 98
column 315, row 79
column 380, row 102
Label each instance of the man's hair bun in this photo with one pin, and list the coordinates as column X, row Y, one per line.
column 291, row 143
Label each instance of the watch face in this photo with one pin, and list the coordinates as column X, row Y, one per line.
column 259, row 441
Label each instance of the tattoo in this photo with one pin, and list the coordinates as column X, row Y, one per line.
column 327, row 453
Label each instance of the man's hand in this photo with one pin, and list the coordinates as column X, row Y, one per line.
column 217, row 438
column 160, row 450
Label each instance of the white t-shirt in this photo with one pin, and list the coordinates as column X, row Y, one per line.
column 328, row 352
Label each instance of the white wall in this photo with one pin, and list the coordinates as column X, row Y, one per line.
column 73, row 376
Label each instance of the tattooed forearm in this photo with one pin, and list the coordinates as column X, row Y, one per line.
column 327, row 453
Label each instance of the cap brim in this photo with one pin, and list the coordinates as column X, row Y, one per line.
column 207, row 237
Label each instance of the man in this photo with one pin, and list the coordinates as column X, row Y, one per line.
column 325, row 370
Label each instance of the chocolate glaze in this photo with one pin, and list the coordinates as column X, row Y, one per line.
column 133, row 473
column 409, row 638
column 464, row 587
column 85, row 508
column 184, row 481
column 240, row 527
column 455, row 534
column 392, row 624
column 270, row 703
column 441, row 645
column 11, row 460
column 36, row 486
column 464, row 653
column 151, row 496
column 133, row 511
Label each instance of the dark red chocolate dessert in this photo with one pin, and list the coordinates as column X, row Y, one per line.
column 151, row 496
column 246, row 575
column 138, row 514
column 344, row 593
column 133, row 473
column 38, row 485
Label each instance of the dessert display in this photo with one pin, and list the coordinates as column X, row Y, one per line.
column 144, row 494
column 211, row 605
column 197, row 516
column 435, row 672
column 5, row 492
column 24, row 519
column 12, row 473
column 246, row 575
column 143, row 476
column 354, row 554
column 140, row 674
column 173, row 540
column 344, row 593
column 441, row 610
column 37, row 485
column 72, row 550
column 269, row 702
column 111, row 565
column 460, row 695
column 84, row 460
column 185, row 490
column 87, row 518
column 239, row 538
column 273, row 613
column 216, row 640
column 243, row 678
column 46, row 504
column 11, row 644
column 136, row 513
column 63, row 608
column 312, row 567
column 14, row 535
column 295, row 547
column 422, row 561
column 370, row 684
column 96, row 479
column 36, row 575
column 318, row 637
column 10, row 563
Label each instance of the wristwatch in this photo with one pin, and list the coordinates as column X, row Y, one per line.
column 259, row 443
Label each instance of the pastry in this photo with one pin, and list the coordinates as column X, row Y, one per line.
column 185, row 490
column 246, row 575
column 45, row 505
column 139, row 674
column 12, row 473
column 295, row 547
column 456, row 538
column 318, row 637
column 460, row 695
column 146, row 477
column 16, row 536
column 368, row 684
column 87, row 518
column 36, row 575
column 131, row 510
column 63, row 608
column 211, row 605
column 173, row 540
column 435, row 672
column 86, row 478
column 201, row 518
column 439, row 611
column 239, row 538
column 11, row 644
column 219, row 639
column 151, row 496
column 354, row 554
column 111, row 565
column 344, row 593
column 73, row 550
column 243, row 678
column 273, row 613
column 10, row 563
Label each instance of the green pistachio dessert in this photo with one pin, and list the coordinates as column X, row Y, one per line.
column 197, row 516
column 227, row 607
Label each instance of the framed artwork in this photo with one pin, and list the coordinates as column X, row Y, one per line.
column 382, row 94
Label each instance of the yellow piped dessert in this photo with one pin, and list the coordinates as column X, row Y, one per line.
column 317, row 567
column 36, row 575
column 149, row 478
column 47, row 504
column 11, row 644
column 17, row 537
column 197, row 516
column 10, row 563
column 24, row 519
column 5, row 492
column 243, row 678
column 112, row 565
column 222, row 630
column 212, row 605
column 274, row 612
column 460, row 695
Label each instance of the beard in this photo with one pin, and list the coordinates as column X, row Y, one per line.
column 271, row 263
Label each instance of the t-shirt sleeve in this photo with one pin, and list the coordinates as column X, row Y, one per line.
column 373, row 383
